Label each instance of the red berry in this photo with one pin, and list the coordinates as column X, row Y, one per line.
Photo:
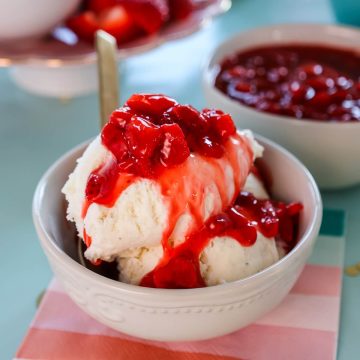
column 219, row 224
column 149, row 15
column 101, row 183
column 222, row 124
column 208, row 146
column 269, row 226
column 338, row 96
column 237, row 216
column 93, row 187
column 112, row 136
column 312, row 69
column 319, row 83
column 242, row 86
column 84, row 25
column 121, row 117
column 294, row 209
column 245, row 235
column 99, row 5
column 238, row 71
column 117, row 22
column 150, row 104
column 181, row 9
column 321, row 99
column 286, row 229
column 113, row 19
column 142, row 137
column 175, row 149
column 179, row 273
column 188, row 118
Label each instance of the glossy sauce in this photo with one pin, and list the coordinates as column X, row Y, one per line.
column 301, row 81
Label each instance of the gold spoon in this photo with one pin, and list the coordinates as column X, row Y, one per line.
column 106, row 49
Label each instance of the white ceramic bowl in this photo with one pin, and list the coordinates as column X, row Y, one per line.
column 172, row 315
column 32, row 18
column 330, row 150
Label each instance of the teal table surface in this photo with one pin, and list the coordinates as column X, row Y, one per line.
column 35, row 131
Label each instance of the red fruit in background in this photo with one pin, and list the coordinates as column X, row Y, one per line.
column 113, row 19
column 84, row 25
column 181, row 9
column 99, row 5
column 118, row 23
column 150, row 104
column 149, row 15
column 175, row 149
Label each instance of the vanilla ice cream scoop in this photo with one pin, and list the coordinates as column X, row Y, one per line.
column 147, row 210
column 223, row 259
column 172, row 194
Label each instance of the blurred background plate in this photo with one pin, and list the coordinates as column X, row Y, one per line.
column 63, row 66
column 63, row 47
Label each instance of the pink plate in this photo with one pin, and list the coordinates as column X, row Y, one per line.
column 63, row 47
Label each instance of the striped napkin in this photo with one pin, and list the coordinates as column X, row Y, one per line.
column 304, row 326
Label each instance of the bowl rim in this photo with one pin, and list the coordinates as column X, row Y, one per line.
column 47, row 242
column 208, row 69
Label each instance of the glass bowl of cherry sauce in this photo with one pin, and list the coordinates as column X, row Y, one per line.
column 299, row 85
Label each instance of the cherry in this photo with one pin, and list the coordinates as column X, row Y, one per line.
column 175, row 149
column 242, row 86
column 149, row 15
column 153, row 128
column 208, row 146
column 219, row 224
column 245, row 235
column 180, row 273
column 142, row 137
column 221, row 123
column 93, row 187
column 112, row 136
column 150, row 104
column 121, row 117
column 181, row 9
column 100, row 183
column 187, row 117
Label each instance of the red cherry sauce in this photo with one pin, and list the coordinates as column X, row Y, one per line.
column 185, row 151
column 179, row 267
column 301, row 81
column 152, row 136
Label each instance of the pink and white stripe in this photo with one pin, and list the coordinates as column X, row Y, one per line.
column 304, row 326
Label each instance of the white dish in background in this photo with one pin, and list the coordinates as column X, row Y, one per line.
column 198, row 313
column 61, row 65
column 329, row 149
column 29, row 19
column 60, row 82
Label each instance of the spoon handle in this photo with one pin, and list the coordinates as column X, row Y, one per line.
column 106, row 49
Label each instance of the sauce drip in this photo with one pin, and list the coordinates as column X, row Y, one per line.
column 179, row 267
